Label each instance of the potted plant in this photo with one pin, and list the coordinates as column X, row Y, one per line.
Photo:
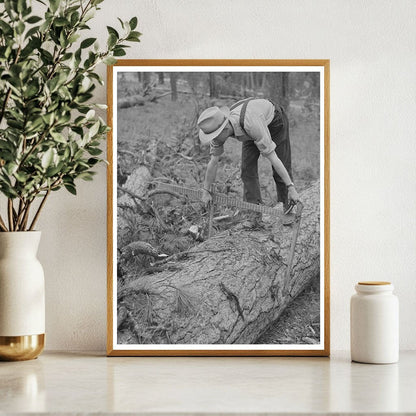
column 50, row 136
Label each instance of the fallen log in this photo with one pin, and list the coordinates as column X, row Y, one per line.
column 138, row 100
column 130, row 101
column 226, row 290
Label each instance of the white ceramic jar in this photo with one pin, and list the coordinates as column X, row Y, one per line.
column 374, row 323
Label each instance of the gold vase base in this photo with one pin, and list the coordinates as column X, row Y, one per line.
column 21, row 348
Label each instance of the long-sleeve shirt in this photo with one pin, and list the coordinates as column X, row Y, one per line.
column 259, row 114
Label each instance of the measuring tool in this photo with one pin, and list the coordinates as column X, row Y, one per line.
column 219, row 199
column 228, row 201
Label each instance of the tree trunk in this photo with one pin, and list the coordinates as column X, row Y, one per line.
column 285, row 90
column 213, row 92
column 279, row 88
column 264, row 81
column 173, row 87
column 161, row 77
column 227, row 289
column 146, row 80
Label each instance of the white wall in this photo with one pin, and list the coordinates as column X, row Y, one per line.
column 371, row 45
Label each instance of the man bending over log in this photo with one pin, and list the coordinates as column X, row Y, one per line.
column 262, row 127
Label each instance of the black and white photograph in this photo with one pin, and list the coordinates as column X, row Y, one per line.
column 219, row 209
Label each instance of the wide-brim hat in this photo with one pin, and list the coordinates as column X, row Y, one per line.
column 212, row 122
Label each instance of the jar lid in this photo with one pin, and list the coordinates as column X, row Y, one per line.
column 372, row 287
column 374, row 283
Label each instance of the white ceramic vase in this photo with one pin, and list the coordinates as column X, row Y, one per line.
column 22, row 296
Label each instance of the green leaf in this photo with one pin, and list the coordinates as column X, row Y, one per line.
column 111, row 30
column 67, row 56
column 47, row 158
column 70, row 188
column 52, row 171
column 94, row 129
column 33, row 19
column 82, row 98
column 21, row 6
column 63, row 41
column 46, row 57
column 112, row 41
column 96, row 77
column 48, row 118
column 87, row 42
column 64, row 93
column 21, row 177
column 53, row 83
column 5, row 28
column 16, row 124
column 58, row 137
column 134, row 36
column 88, row 16
column 92, row 161
column 94, row 151
column 4, row 145
column 133, row 23
column 27, row 11
column 121, row 22
column 119, row 52
column 61, row 21
column 73, row 38
column 90, row 115
column 67, row 153
column 32, row 31
column 10, row 7
column 20, row 27
column 8, row 191
column 86, row 176
column 110, row 60
column 10, row 168
column 54, row 4
column 35, row 125
column 74, row 18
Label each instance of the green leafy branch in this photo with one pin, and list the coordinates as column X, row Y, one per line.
column 50, row 134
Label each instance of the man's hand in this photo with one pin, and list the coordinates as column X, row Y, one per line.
column 206, row 197
column 292, row 195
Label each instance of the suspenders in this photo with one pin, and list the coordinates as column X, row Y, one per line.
column 244, row 103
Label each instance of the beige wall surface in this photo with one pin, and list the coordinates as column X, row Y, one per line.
column 371, row 45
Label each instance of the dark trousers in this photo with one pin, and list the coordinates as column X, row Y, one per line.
column 279, row 131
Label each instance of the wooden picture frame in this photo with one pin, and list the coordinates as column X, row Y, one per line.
column 142, row 312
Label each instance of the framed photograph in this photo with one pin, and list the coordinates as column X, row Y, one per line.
column 218, row 208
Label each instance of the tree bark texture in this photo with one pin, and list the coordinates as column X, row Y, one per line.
column 135, row 186
column 226, row 290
